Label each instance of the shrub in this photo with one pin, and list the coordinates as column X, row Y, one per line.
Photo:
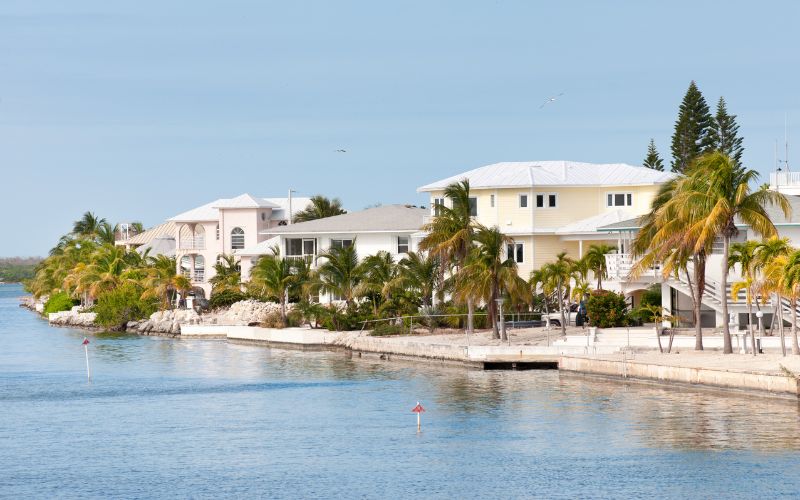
column 225, row 298
column 272, row 320
column 310, row 312
column 115, row 308
column 58, row 302
column 384, row 328
column 607, row 309
column 352, row 318
column 295, row 318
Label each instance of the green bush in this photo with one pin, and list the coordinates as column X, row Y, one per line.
column 384, row 328
column 311, row 313
column 58, row 302
column 607, row 309
column 272, row 320
column 295, row 318
column 352, row 318
column 225, row 298
column 115, row 308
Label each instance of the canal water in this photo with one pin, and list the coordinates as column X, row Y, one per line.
column 208, row 419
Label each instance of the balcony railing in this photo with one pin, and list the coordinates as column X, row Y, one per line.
column 619, row 267
column 198, row 243
column 199, row 276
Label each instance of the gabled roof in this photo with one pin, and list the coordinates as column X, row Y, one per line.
column 245, row 201
column 387, row 218
column 591, row 224
column 207, row 212
column 263, row 248
column 554, row 173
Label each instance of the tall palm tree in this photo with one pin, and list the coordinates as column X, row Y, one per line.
column 744, row 254
column 451, row 233
column 418, row 272
column 558, row 275
column 88, row 225
column 274, row 276
column 319, row 208
column 538, row 277
column 488, row 272
column 792, row 277
column 106, row 234
column 341, row 273
column 716, row 192
column 227, row 274
column 595, row 260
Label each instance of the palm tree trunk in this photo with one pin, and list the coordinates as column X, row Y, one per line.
column 470, row 316
column 750, row 322
column 698, row 302
column 283, row 308
column 658, row 338
column 493, row 314
column 561, row 309
column 727, row 346
column 671, row 338
column 795, row 346
column 780, row 324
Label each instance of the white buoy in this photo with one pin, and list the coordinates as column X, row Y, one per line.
column 86, row 351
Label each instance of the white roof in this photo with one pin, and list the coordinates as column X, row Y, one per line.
column 262, row 248
column 382, row 219
column 554, row 173
column 210, row 211
column 590, row 224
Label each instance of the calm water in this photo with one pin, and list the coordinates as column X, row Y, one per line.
column 206, row 419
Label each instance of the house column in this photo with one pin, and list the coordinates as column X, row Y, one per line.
column 666, row 302
column 580, row 249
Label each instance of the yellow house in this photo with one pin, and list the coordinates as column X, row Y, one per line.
column 549, row 207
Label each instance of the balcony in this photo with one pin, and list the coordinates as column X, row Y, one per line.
column 787, row 183
column 198, row 243
column 619, row 267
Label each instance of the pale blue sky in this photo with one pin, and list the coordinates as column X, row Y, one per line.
column 140, row 110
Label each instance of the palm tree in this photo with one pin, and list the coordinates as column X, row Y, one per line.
column 106, row 234
column 418, row 272
column 771, row 259
column 341, row 273
column 319, row 208
column 378, row 271
column 558, row 275
column 716, row 192
column 88, row 225
column 792, row 277
column 595, row 260
column 163, row 279
column 744, row 254
column 227, row 274
column 538, row 277
column 489, row 272
column 274, row 276
column 451, row 233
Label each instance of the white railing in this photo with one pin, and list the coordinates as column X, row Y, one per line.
column 784, row 179
column 619, row 267
column 199, row 276
column 198, row 243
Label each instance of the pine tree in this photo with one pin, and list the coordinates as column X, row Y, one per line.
column 652, row 160
column 724, row 133
column 691, row 137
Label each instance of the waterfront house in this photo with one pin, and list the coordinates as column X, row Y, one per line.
column 391, row 228
column 224, row 226
column 549, row 207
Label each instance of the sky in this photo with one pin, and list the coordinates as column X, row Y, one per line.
column 142, row 110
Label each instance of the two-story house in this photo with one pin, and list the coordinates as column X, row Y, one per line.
column 549, row 207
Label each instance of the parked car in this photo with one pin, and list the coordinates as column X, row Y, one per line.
column 554, row 318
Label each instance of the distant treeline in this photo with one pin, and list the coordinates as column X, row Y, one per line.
column 17, row 269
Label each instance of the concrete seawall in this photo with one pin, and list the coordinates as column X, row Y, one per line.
column 779, row 384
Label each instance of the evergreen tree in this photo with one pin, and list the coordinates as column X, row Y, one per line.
column 652, row 160
column 691, row 137
column 724, row 133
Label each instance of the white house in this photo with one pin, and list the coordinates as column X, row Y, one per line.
column 391, row 228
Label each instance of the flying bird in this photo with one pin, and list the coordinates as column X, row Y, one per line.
column 550, row 99
column 340, row 151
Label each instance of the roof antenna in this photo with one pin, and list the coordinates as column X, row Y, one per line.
column 786, row 139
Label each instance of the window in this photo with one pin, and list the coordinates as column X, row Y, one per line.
column 402, row 244
column 491, row 200
column 437, row 202
column 217, row 231
column 515, row 252
column 619, row 200
column 341, row 243
column 546, row 200
column 263, row 216
column 301, row 247
column 523, row 201
column 473, row 207
column 237, row 238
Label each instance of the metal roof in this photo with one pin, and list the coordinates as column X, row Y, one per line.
column 554, row 173
column 386, row 218
column 592, row 224
column 163, row 230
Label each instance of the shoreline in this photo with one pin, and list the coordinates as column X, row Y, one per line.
column 687, row 369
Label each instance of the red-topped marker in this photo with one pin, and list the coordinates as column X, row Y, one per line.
column 86, row 350
column 418, row 410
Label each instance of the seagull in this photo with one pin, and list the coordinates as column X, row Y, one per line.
column 550, row 99
column 340, row 151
